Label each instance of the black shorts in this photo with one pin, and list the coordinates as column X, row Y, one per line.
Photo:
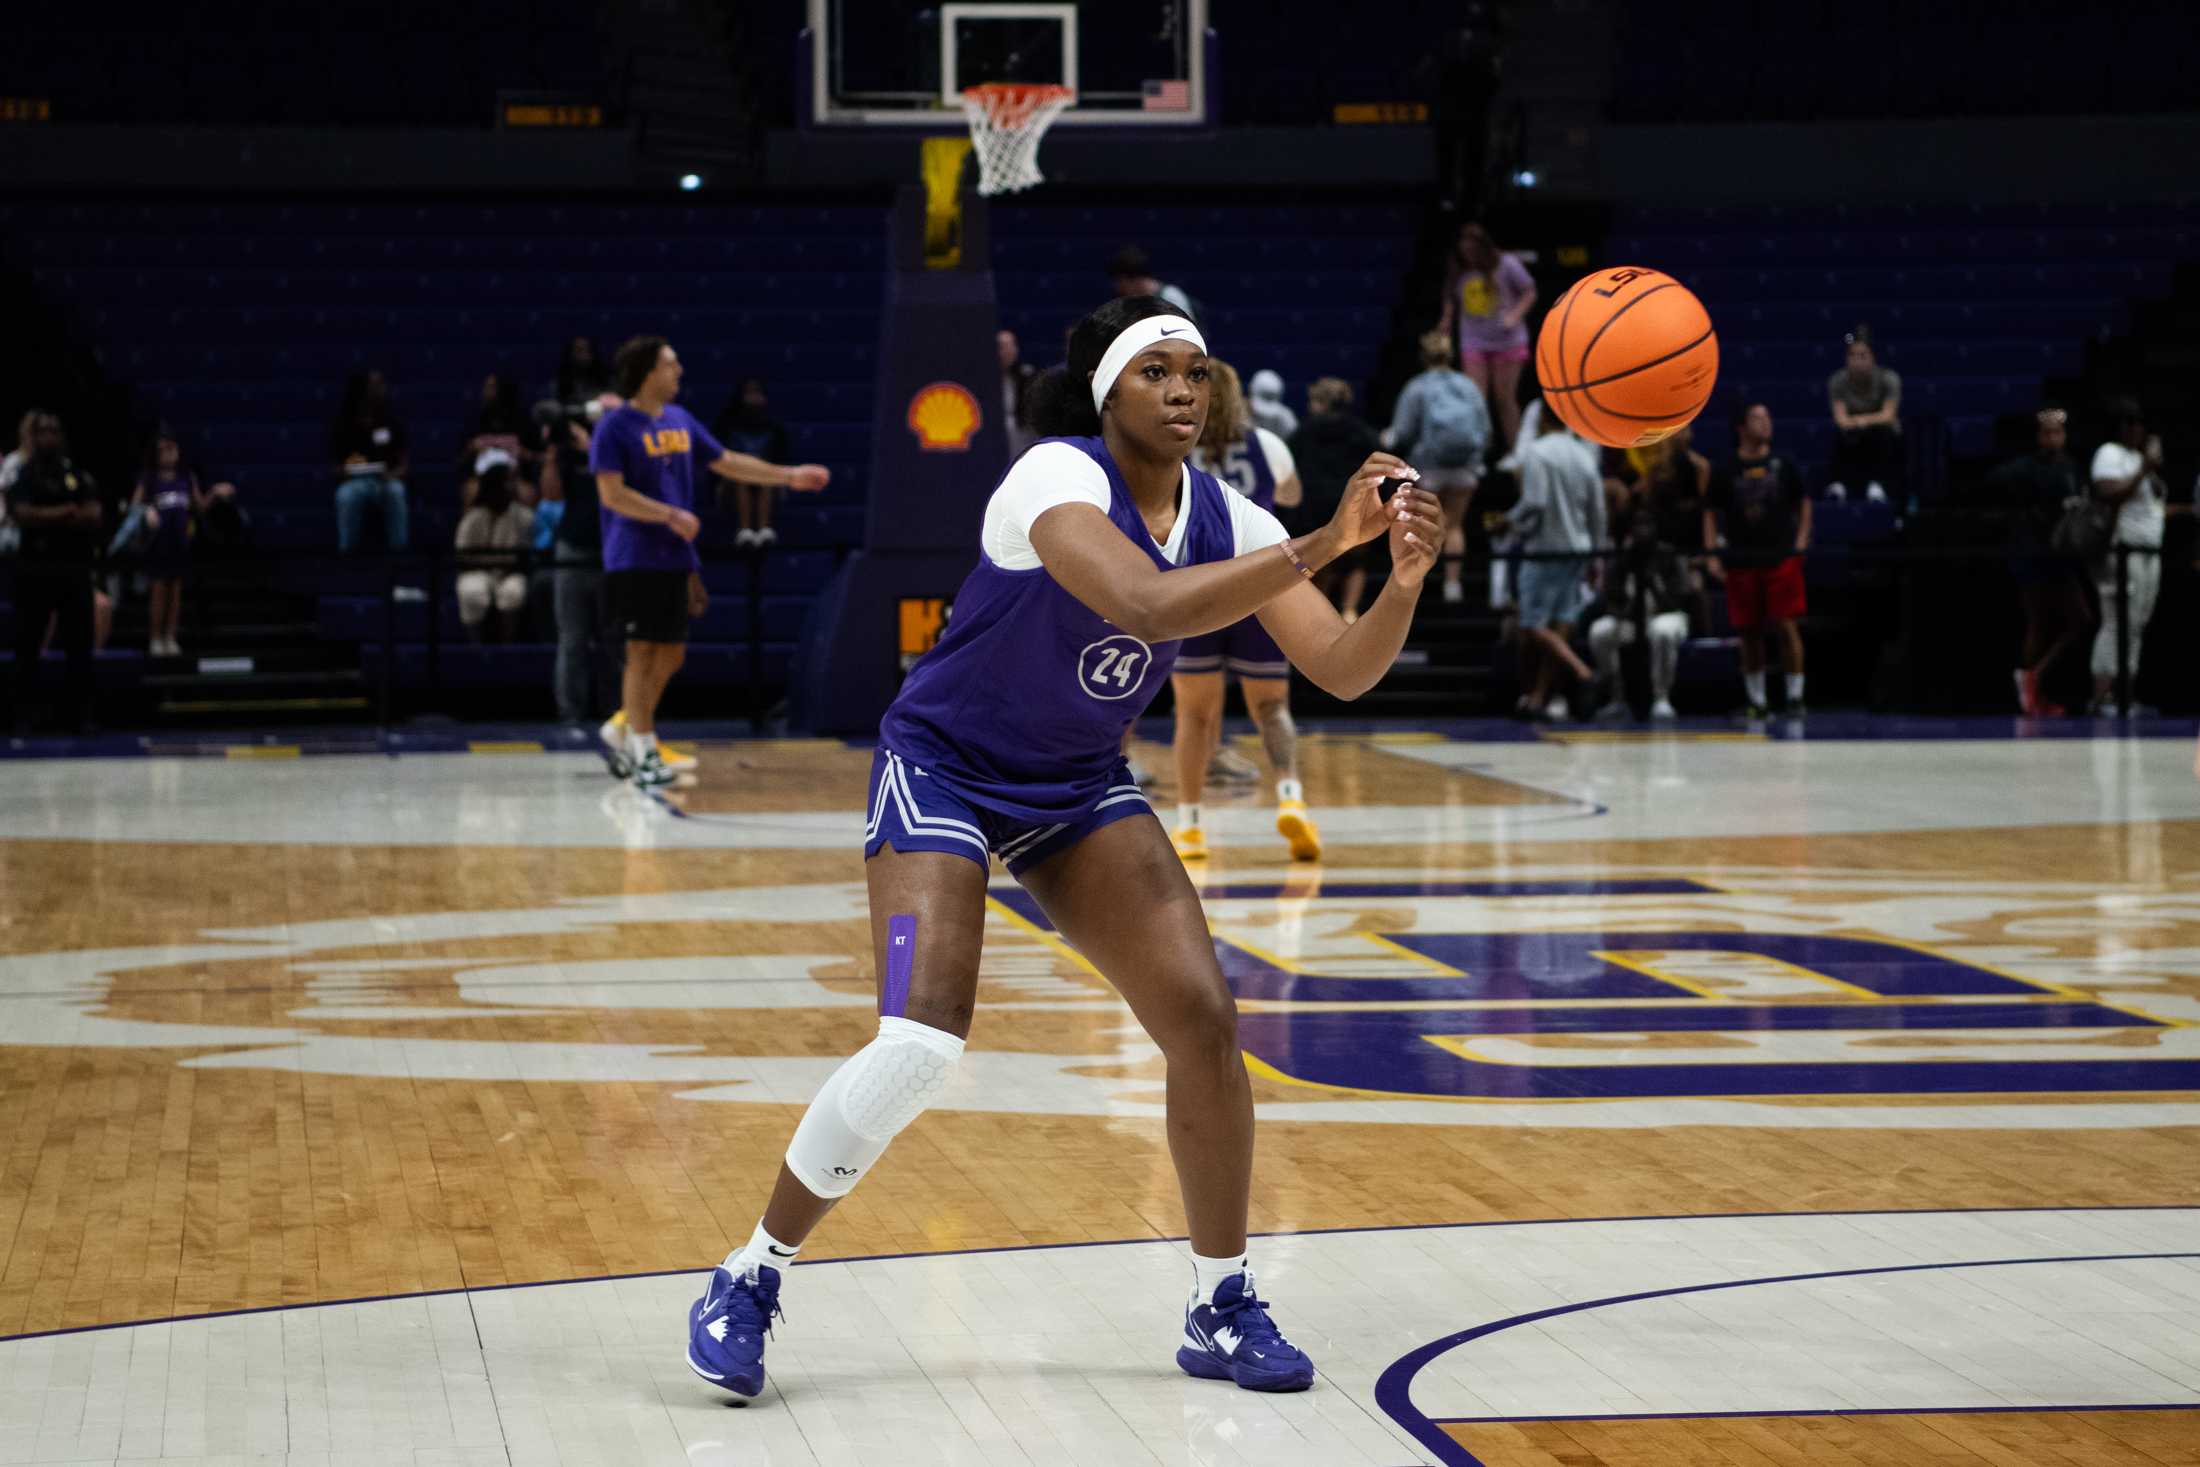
column 648, row 605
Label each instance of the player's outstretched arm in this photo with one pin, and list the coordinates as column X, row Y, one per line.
column 615, row 495
column 747, row 468
column 1093, row 561
column 1345, row 661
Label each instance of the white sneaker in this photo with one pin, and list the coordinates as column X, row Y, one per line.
column 408, row 595
column 1662, row 711
column 766, row 538
column 1454, row 593
column 1838, row 492
column 651, row 772
column 745, row 540
column 1615, row 711
column 1876, row 492
column 1558, row 710
column 616, row 755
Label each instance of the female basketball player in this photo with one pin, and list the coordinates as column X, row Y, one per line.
column 1257, row 464
column 1102, row 550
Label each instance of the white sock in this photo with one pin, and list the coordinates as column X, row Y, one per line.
column 1753, row 683
column 1208, row 1274
column 762, row 1250
column 1795, row 687
column 646, row 743
column 1289, row 789
column 1187, row 817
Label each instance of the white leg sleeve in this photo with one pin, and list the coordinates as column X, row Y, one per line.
column 1668, row 630
column 868, row 1101
column 1604, row 645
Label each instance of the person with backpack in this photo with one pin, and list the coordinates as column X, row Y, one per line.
column 1442, row 424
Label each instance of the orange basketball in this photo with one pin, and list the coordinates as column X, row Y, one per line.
column 1627, row 356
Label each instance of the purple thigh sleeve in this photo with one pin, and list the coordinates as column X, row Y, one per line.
column 901, row 956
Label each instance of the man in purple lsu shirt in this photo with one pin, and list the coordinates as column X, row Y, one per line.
column 1102, row 549
column 645, row 456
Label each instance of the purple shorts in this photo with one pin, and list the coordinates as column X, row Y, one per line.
column 912, row 810
column 1244, row 648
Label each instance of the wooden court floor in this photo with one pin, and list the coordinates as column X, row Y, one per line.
column 287, row 1033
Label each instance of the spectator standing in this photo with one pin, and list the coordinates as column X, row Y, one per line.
column 168, row 494
column 588, row 665
column 2032, row 491
column 1016, row 379
column 1648, row 599
column 368, row 444
column 582, row 375
column 747, row 426
column 2127, row 474
column 1561, row 525
column 1867, row 415
column 491, row 542
column 1131, row 273
column 11, row 533
column 1329, row 448
column 1442, row 427
column 1757, row 508
column 1270, row 411
column 58, row 509
column 1487, row 297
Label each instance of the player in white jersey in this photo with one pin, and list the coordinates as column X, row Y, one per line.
column 1257, row 464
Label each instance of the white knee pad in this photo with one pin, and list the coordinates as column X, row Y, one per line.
column 868, row 1101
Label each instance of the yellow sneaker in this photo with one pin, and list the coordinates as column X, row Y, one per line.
column 614, row 732
column 1297, row 827
column 1191, row 843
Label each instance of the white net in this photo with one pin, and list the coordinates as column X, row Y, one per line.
column 1006, row 122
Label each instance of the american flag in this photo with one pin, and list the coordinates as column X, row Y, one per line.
column 1167, row 96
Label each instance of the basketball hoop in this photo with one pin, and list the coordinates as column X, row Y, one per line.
column 1007, row 119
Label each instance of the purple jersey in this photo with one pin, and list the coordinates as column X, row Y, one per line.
column 1023, row 704
column 660, row 457
column 1245, row 468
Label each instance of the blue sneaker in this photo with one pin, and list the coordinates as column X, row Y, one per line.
column 727, row 1326
column 1234, row 1339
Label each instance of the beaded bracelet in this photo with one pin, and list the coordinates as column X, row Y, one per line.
column 1293, row 556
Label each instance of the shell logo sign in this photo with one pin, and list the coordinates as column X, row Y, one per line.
column 945, row 417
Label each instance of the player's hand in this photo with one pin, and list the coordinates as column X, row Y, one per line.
column 1713, row 569
column 809, row 478
column 1416, row 535
column 698, row 596
column 684, row 524
column 152, row 518
column 1361, row 514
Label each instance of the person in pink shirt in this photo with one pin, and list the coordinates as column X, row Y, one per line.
column 1487, row 297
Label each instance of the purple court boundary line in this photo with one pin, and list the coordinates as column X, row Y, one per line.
column 1393, row 1388
column 1840, row 1411
column 663, row 1273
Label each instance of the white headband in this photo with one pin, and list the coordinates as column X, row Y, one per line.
column 1136, row 338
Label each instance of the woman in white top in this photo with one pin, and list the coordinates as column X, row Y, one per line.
column 2127, row 472
column 497, row 523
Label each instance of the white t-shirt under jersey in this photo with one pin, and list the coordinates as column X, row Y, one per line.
column 1056, row 473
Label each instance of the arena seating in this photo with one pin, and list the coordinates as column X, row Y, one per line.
column 1975, row 307
column 1305, row 291
column 239, row 322
column 405, row 63
column 1741, row 60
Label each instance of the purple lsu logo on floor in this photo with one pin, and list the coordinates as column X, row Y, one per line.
column 1631, row 1014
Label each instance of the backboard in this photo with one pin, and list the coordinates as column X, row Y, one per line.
column 893, row 64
